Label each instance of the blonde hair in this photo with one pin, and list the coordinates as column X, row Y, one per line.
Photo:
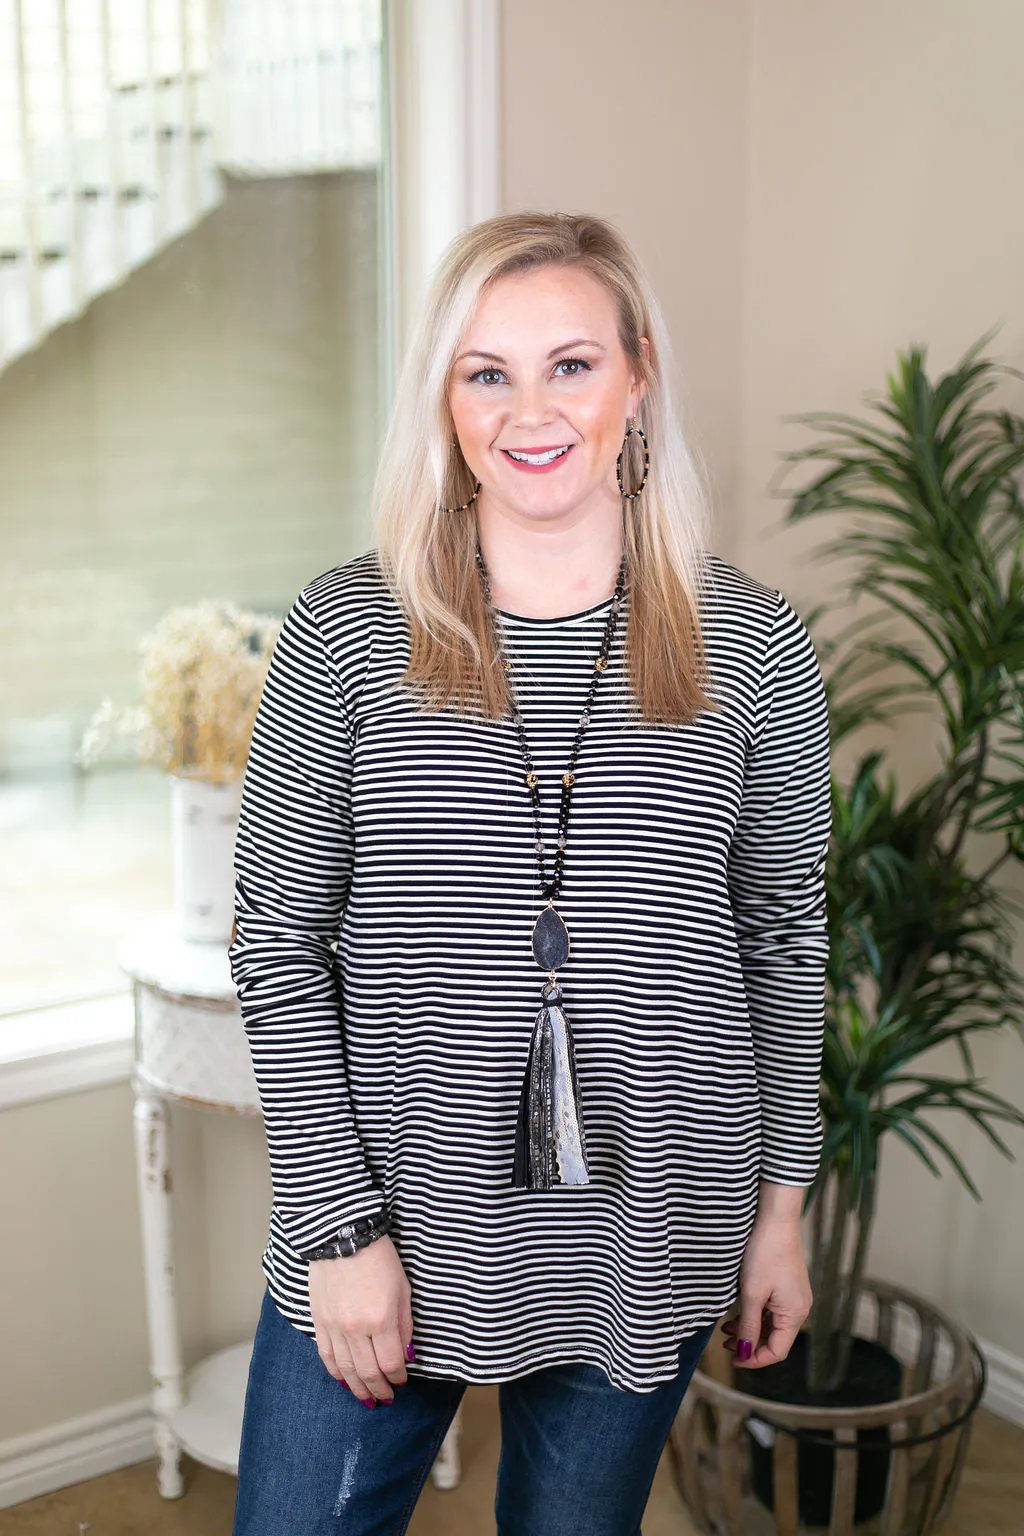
column 427, row 548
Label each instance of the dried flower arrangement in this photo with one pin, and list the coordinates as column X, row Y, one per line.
column 201, row 677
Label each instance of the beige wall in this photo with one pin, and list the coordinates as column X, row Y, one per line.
column 638, row 113
column 812, row 186
column 72, row 1297
column 884, row 208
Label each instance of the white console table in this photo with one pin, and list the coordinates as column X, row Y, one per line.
column 190, row 1046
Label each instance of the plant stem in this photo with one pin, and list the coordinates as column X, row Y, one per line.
column 817, row 1238
column 986, row 874
column 909, row 977
column 865, row 1220
column 970, row 795
column 823, row 1322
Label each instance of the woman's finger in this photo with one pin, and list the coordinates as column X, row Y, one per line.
column 325, row 1349
column 357, row 1385
column 349, row 1375
column 405, row 1324
column 775, row 1342
column 390, row 1352
column 752, row 1327
column 366, row 1363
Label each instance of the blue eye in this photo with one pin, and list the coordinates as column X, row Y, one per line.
column 575, row 363
column 486, row 376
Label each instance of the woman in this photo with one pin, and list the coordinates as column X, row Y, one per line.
column 556, row 780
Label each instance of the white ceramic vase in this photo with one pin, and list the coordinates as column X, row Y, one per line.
column 204, row 822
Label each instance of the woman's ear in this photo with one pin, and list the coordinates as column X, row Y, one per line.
column 639, row 388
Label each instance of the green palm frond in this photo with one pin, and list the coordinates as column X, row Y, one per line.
column 929, row 499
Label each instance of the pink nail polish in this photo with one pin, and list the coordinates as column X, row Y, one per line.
column 744, row 1349
column 410, row 1353
column 369, row 1402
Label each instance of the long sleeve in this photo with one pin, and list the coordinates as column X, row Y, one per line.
column 776, row 878
column 293, row 864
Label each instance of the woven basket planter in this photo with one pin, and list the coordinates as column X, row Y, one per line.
column 741, row 1474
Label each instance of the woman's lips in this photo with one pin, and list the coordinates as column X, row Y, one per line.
column 542, row 463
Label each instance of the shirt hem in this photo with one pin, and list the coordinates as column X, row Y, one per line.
column 524, row 1365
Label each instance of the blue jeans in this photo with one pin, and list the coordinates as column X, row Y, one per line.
column 577, row 1453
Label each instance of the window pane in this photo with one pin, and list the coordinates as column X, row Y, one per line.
column 205, row 428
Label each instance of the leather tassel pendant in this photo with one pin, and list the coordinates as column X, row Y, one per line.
column 550, row 1145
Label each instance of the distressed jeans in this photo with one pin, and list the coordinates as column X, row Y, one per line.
column 577, row 1453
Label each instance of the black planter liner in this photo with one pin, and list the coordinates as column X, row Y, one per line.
column 874, row 1375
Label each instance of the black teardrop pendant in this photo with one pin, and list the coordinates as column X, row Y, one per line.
column 550, row 940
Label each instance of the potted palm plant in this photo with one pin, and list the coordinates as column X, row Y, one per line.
column 920, row 947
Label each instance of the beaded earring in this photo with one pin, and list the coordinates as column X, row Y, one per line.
column 631, row 428
column 465, row 504
column 454, row 445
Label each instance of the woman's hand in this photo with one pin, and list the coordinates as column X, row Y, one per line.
column 361, row 1307
column 773, row 1278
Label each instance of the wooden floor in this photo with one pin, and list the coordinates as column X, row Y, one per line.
column 990, row 1501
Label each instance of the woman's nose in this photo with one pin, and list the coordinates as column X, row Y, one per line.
column 531, row 404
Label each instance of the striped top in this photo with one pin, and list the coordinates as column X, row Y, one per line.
column 386, row 888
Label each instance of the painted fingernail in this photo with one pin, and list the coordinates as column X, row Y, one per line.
column 744, row 1349
column 344, row 1382
column 368, row 1402
column 386, row 1402
column 410, row 1353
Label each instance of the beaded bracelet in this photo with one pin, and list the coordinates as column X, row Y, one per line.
column 353, row 1236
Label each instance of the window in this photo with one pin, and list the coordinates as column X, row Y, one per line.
column 190, row 360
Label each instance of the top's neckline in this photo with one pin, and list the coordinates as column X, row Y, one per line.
column 565, row 618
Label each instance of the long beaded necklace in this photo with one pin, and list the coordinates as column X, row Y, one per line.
column 550, row 1144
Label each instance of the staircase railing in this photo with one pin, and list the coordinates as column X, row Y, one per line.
column 120, row 118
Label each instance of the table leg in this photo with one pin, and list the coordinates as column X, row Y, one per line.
column 447, row 1468
column 153, row 1162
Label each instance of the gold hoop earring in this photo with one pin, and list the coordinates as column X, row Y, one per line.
column 465, row 504
column 631, row 428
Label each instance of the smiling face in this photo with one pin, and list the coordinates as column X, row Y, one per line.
column 540, row 394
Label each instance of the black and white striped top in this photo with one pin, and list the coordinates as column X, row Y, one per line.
column 389, row 1067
